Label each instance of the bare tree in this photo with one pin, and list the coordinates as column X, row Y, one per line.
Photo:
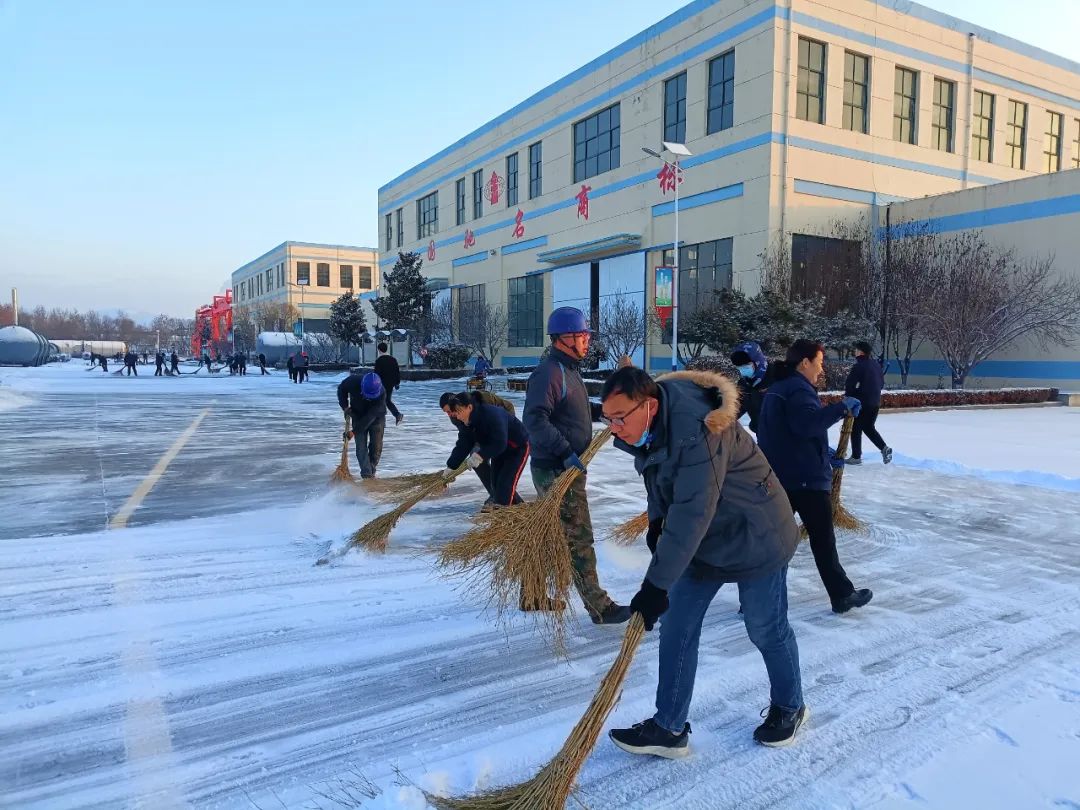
column 622, row 325
column 275, row 316
column 983, row 298
column 439, row 326
column 496, row 327
column 483, row 328
column 905, row 286
column 245, row 329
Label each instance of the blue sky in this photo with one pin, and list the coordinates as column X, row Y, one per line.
column 150, row 147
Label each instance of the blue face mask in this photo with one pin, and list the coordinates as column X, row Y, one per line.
column 746, row 371
column 646, row 436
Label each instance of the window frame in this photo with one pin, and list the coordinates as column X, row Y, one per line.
column 610, row 157
column 850, row 107
column 526, row 302
column 305, row 267
column 360, row 270
column 720, row 94
column 536, row 170
column 320, row 268
column 342, row 277
column 427, row 215
column 903, row 103
column 1012, row 129
column 978, row 98
column 1052, row 156
column 949, row 127
column 804, row 96
column 389, row 232
column 459, row 200
column 478, row 193
column 400, row 227
column 674, row 114
column 511, row 179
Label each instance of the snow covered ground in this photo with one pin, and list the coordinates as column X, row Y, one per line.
column 196, row 658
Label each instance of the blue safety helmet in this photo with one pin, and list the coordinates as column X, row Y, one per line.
column 371, row 386
column 567, row 321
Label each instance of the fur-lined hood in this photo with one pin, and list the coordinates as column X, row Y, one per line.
column 721, row 418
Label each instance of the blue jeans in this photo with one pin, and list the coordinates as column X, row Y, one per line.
column 764, row 604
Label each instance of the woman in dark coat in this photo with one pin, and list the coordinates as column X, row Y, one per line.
column 490, row 434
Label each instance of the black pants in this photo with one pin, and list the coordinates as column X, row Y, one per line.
column 390, row 406
column 864, row 423
column 483, row 472
column 159, row 371
column 262, row 369
column 815, row 509
column 369, row 447
column 175, row 368
column 506, row 469
column 132, row 370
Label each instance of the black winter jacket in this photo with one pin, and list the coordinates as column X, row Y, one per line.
column 558, row 414
column 865, row 382
column 388, row 370
column 366, row 413
column 491, row 430
column 751, row 395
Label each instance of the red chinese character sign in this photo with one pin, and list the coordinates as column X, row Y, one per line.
column 470, row 239
column 431, row 251
column 667, row 176
column 582, row 198
column 519, row 225
column 494, row 186
column 663, row 294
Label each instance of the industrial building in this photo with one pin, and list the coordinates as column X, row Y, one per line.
column 796, row 114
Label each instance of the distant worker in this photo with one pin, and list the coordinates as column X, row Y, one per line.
column 302, row 369
column 386, row 366
column 262, row 364
column 864, row 383
column 159, row 364
column 363, row 398
column 174, row 363
column 754, row 378
column 291, row 366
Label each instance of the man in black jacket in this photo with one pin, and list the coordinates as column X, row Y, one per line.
column 159, row 364
column 390, row 373
column 559, row 419
column 723, row 518
column 362, row 397
column 174, row 363
column 865, row 382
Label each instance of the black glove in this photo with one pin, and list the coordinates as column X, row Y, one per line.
column 653, row 535
column 650, row 602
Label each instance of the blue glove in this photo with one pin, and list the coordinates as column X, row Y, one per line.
column 572, row 460
column 835, row 461
column 852, row 405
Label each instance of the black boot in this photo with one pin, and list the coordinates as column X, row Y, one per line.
column 852, row 600
column 779, row 727
column 612, row 614
column 649, row 738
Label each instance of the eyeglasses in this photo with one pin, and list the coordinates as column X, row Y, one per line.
column 619, row 421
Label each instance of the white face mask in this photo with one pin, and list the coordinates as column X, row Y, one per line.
column 747, row 370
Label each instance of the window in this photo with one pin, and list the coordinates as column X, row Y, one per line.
column 346, row 276
column 675, row 109
column 944, row 115
column 525, row 303
column 810, row 94
column 1052, row 143
column 259, row 285
column 401, row 225
column 243, row 291
column 721, row 107
column 470, row 304
column 536, row 170
column 478, row 194
column 251, row 288
column 1016, row 134
column 427, row 215
column 511, row 180
column 322, row 274
column 905, row 103
column 856, row 92
column 704, row 270
column 1076, row 144
column 389, row 233
column 826, row 268
column 982, row 127
column 459, row 196
column 269, row 280
column 365, row 277
column 596, row 144
column 303, row 272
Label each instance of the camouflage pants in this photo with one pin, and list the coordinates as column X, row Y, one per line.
column 579, row 535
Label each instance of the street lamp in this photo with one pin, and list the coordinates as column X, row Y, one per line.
column 679, row 150
column 301, row 283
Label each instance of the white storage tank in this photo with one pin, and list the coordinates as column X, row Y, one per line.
column 20, row 346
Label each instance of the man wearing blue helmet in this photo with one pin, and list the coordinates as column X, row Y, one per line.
column 362, row 396
column 754, row 377
column 559, row 418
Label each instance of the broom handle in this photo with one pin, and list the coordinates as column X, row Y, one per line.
column 345, row 443
column 845, row 436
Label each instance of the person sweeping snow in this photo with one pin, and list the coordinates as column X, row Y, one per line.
column 492, row 436
column 754, row 379
column 363, row 397
column 793, row 431
column 720, row 516
column 483, row 471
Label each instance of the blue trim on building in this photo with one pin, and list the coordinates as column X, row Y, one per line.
column 1008, row 369
column 990, row 217
column 697, row 200
column 855, row 195
column 520, row 360
column 518, row 247
column 472, row 258
column 662, row 362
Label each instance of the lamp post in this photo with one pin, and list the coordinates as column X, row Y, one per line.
column 301, row 284
column 678, row 150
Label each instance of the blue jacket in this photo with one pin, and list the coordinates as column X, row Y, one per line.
column 558, row 413
column 865, row 382
column 793, row 432
column 491, row 430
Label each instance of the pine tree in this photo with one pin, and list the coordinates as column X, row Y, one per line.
column 405, row 302
column 347, row 322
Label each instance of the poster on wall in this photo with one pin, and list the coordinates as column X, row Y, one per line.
column 663, row 293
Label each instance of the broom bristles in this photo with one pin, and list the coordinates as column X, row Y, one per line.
column 401, row 486
column 842, row 518
column 342, row 474
column 629, row 531
column 552, row 786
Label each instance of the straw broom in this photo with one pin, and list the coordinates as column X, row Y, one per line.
column 520, row 554
column 550, row 788
column 629, row 531
column 374, row 535
column 400, row 487
column 842, row 518
column 342, row 474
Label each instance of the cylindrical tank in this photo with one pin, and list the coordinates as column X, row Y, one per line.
column 20, row 346
column 76, row 347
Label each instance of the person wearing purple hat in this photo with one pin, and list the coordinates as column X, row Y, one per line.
column 363, row 397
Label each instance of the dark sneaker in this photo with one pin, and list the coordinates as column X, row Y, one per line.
column 853, row 600
column 854, row 460
column 779, row 727
column 612, row 614
column 649, row 738
column 886, row 455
